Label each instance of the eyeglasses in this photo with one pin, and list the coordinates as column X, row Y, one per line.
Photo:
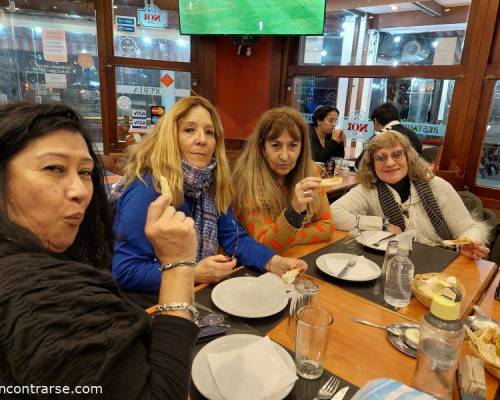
column 395, row 155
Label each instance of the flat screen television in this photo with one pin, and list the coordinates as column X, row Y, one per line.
column 252, row 17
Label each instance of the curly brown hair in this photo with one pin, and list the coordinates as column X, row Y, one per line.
column 417, row 168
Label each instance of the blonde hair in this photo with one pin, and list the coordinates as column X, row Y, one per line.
column 159, row 154
column 417, row 169
column 255, row 184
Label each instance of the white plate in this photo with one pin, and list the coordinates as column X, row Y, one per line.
column 364, row 270
column 250, row 297
column 202, row 376
column 367, row 237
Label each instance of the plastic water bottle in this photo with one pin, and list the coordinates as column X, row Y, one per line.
column 399, row 274
column 440, row 340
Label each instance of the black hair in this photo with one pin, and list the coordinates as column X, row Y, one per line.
column 20, row 123
column 385, row 113
column 321, row 112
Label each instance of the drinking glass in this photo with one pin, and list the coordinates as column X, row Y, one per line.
column 313, row 332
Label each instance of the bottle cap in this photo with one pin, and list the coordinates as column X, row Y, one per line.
column 405, row 239
column 446, row 305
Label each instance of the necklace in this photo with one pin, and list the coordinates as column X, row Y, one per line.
column 405, row 210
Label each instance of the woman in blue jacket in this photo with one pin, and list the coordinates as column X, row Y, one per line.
column 187, row 148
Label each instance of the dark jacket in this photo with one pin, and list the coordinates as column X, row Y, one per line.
column 411, row 135
column 331, row 149
column 66, row 323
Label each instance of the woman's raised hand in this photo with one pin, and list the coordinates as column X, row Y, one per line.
column 171, row 233
column 303, row 193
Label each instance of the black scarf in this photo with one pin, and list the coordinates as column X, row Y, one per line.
column 393, row 212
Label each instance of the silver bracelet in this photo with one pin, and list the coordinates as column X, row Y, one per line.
column 181, row 263
column 178, row 307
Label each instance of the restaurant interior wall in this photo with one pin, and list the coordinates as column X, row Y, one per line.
column 243, row 85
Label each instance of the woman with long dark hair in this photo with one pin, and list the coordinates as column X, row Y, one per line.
column 63, row 319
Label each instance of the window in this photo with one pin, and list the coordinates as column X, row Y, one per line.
column 140, row 89
column 403, row 33
column 488, row 174
column 424, row 103
column 50, row 54
column 133, row 39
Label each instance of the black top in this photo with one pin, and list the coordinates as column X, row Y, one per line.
column 331, row 149
column 403, row 188
column 67, row 323
column 411, row 135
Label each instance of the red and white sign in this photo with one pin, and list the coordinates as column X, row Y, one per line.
column 54, row 45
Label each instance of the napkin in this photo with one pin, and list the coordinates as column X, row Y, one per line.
column 250, row 373
column 371, row 237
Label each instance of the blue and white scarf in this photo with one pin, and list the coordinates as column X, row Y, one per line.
column 198, row 184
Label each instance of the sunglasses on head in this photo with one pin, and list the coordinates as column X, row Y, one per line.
column 395, row 155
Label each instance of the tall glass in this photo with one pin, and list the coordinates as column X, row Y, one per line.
column 313, row 333
column 304, row 295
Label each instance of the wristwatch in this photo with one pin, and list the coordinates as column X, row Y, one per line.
column 385, row 224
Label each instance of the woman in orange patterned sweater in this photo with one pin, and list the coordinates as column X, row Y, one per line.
column 278, row 198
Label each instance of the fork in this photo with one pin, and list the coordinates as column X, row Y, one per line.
column 328, row 389
column 377, row 243
column 351, row 263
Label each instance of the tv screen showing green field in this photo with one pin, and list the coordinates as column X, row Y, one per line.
column 252, row 17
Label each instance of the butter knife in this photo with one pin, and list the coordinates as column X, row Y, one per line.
column 341, row 393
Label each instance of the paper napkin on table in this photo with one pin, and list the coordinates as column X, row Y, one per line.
column 371, row 237
column 252, row 372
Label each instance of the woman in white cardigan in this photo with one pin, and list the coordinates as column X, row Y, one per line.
column 397, row 192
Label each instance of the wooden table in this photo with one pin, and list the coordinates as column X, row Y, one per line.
column 348, row 181
column 359, row 353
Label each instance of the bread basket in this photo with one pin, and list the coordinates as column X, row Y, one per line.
column 474, row 344
column 423, row 297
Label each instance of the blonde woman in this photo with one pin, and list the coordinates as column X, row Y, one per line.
column 187, row 148
column 277, row 192
column 396, row 186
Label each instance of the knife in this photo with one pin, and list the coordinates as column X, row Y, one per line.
column 341, row 393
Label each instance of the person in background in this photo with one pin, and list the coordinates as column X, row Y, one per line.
column 386, row 117
column 398, row 189
column 64, row 321
column 327, row 142
column 278, row 198
column 186, row 147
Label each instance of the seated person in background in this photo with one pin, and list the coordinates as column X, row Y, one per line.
column 395, row 183
column 326, row 141
column 278, row 198
column 386, row 117
column 186, row 147
column 63, row 318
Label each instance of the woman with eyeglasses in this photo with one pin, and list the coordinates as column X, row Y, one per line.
column 397, row 191
column 186, row 146
column 326, row 141
column 278, row 197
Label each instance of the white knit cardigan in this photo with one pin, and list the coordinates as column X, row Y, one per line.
column 365, row 201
